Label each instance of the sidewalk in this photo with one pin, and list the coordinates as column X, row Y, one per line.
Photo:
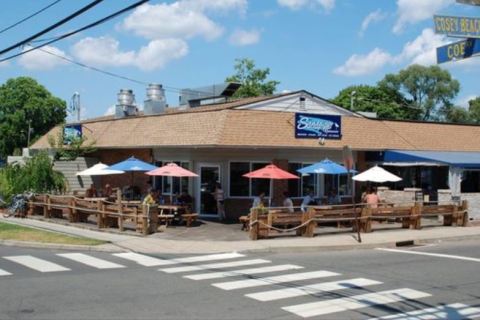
column 211, row 237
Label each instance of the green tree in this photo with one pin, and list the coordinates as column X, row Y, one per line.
column 429, row 89
column 24, row 101
column 254, row 81
column 456, row 114
column 386, row 103
column 37, row 175
column 474, row 110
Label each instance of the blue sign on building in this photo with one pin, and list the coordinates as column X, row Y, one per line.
column 71, row 132
column 458, row 50
column 318, row 126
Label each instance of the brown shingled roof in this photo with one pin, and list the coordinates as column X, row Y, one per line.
column 226, row 127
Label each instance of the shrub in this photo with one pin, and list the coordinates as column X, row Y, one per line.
column 37, row 175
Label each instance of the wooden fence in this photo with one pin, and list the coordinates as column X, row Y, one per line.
column 262, row 222
column 107, row 214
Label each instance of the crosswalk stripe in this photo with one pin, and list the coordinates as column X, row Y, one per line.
column 312, row 309
column 37, row 264
column 214, row 266
column 232, row 285
column 144, row 260
column 210, row 257
column 4, row 273
column 454, row 311
column 312, row 289
column 225, row 274
column 90, row 261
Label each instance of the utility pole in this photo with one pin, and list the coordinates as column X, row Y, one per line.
column 28, row 133
column 352, row 96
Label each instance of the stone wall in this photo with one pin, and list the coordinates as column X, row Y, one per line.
column 406, row 196
column 472, row 198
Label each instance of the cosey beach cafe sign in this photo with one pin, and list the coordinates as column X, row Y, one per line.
column 318, row 126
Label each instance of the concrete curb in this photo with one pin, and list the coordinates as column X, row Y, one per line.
column 109, row 247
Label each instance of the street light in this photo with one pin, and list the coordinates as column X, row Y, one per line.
column 352, row 94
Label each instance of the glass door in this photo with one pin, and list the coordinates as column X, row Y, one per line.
column 209, row 176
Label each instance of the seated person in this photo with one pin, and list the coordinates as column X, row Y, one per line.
column 91, row 192
column 333, row 197
column 309, row 200
column 258, row 201
column 107, row 191
column 185, row 198
column 287, row 202
column 150, row 198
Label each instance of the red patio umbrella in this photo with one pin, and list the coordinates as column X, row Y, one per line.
column 171, row 170
column 271, row 172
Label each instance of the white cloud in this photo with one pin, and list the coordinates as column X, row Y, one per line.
column 102, row 51
column 4, row 64
column 176, row 20
column 244, row 37
column 413, row 11
column 422, row 50
column 464, row 101
column 40, row 60
column 105, row 51
column 358, row 65
column 239, row 6
column 159, row 52
column 327, row 5
column 110, row 111
column 372, row 17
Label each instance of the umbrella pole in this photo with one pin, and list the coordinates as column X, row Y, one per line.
column 359, row 239
column 271, row 189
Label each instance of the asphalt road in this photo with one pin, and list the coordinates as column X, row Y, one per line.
column 361, row 284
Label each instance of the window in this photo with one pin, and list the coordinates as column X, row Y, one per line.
column 471, row 181
column 301, row 187
column 165, row 184
column 244, row 187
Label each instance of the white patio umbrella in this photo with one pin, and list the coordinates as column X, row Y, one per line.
column 376, row 174
column 99, row 169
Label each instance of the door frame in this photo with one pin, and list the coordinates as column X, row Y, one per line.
column 198, row 201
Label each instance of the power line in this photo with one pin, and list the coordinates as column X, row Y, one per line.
column 93, row 68
column 30, row 16
column 54, row 26
column 66, row 35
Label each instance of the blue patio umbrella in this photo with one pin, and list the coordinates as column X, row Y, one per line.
column 132, row 164
column 324, row 167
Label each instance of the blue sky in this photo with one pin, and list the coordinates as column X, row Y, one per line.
column 319, row 45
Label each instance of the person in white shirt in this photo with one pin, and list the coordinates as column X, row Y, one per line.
column 287, row 202
column 309, row 200
column 258, row 201
column 219, row 195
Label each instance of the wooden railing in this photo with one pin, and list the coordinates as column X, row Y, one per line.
column 108, row 214
column 261, row 222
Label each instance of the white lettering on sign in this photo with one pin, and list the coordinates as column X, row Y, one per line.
column 315, row 125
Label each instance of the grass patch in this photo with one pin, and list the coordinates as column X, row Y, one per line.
column 10, row 231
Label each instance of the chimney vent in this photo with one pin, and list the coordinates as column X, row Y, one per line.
column 155, row 102
column 125, row 104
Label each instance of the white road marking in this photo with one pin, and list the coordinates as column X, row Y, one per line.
column 225, row 274
column 232, row 285
column 312, row 289
column 143, row 260
column 4, row 273
column 37, row 264
column 312, row 309
column 454, row 311
column 91, row 261
column 219, row 256
column 214, row 266
column 439, row 255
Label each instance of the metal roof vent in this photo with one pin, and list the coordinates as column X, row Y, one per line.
column 209, row 94
column 156, row 101
column 302, row 103
column 125, row 104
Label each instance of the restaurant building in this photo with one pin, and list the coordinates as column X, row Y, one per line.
column 221, row 139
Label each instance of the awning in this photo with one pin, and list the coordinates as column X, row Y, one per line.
column 451, row 158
